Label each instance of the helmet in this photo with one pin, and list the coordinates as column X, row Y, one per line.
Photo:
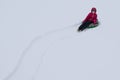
column 93, row 9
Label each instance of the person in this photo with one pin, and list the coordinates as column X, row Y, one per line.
column 90, row 19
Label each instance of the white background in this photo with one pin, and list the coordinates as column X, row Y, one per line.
column 33, row 48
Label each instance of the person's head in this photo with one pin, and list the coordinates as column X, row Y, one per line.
column 93, row 10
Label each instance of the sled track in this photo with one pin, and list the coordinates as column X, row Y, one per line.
column 24, row 52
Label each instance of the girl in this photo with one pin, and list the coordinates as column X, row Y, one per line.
column 90, row 19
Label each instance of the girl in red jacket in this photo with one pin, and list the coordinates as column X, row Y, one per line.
column 90, row 19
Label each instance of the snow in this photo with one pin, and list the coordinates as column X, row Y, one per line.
column 39, row 40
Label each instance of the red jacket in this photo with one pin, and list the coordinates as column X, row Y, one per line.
column 91, row 17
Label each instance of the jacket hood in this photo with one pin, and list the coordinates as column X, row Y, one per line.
column 94, row 9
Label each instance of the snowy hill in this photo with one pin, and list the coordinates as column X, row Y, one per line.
column 39, row 40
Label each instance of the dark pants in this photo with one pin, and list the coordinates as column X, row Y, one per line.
column 84, row 25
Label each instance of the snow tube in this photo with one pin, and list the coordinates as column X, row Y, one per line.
column 93, row 25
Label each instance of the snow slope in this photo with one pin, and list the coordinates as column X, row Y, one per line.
column 39, row 40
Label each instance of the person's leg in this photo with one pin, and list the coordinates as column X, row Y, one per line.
column 81, row 26
column 86, row 25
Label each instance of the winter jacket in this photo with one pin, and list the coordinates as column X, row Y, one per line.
column 91, row 17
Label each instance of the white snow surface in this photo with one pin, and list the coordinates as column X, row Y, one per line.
column 39, row 40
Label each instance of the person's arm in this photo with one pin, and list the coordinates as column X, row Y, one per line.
column 95, row 20
column 88, row 16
